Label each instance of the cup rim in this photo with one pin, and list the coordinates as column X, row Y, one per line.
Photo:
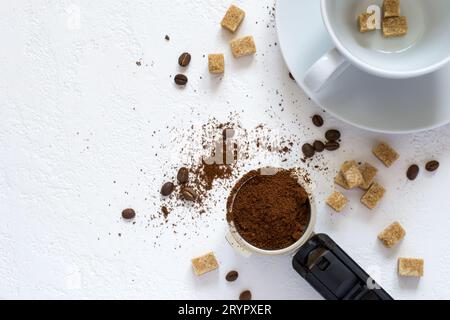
column 293, row 247
column 369, row 68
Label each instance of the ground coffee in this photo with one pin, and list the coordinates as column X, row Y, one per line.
column 270, row 212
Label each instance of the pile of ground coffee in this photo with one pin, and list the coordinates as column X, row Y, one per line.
column 270, row 212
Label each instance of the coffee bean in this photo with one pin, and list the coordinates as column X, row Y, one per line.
column 181, row 79
column 232, row 276
column 245, row 295
column 317, row 120
column 332, row 135
column 291, row 76
column 183, row 175
column 319, row 146
column 308, row 150
column 188, row 194
column 412, row 172
column 167, row 37
column 432, row 166
column 128, row 214
column 167, row 189
column 332, row 145
column 184, row 59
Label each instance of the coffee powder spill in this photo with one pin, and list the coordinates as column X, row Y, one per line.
column 165, row 211
column 206, row 174
column 199, row 148
column 270, row 212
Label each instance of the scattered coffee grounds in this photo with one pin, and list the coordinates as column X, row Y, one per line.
column 167, row 37
column 291, row 76
column 270, row 212
column 232, row 276
column 308, row 150
column 181, row 79
column 197, row 181
column 167, row 189
column 245, row 295
column 188, row 194
column 317, row 120
column 198, row 144
column 206, row 174
column 183, row 175
column 184, row 59
column 432, row 166
column 332, row 145
column 216, row 168
column 165, row 211
column 138, row 63
column 413, row 172
column 128, row 214
column 319, row 146
column 332, row 135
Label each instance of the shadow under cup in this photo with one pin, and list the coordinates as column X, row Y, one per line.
column 424, row 49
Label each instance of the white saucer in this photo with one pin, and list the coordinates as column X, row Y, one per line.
column 366, row 101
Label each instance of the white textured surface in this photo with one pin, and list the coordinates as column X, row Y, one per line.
column 78, row 114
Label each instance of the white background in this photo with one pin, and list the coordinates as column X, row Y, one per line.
column 77, row 114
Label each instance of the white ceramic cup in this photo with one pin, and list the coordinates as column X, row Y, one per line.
column 425, row 48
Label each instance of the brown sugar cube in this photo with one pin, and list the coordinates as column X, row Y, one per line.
column 391, row 8
column 410, row 267
column 204, row 264
column 243, row 47
column 351, row 174
column 395, row 27
column 337, row 201
column 385, row 154
column 233, row 18
column 347, row 165
column 367, row 22
column 368, row 172
column 371, row 198
column 340, row 180
column 392, row 235
column 216, row 63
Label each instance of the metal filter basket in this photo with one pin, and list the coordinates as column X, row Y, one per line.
column 242, row 246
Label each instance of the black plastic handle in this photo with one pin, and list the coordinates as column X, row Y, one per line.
column 335, row 275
